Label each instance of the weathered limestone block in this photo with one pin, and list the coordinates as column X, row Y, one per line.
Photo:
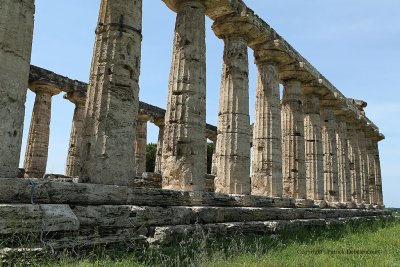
column 364, row 175
column 22, row 218
column 266, row 178
column 74, row 162
column 16, row 29
column 39, row 132
column 123, row 216
column 112, row 104
column 293, row 145
column 313, row 145
column 354, row 162
column 330, row 153
column 184, row 147
column 210, row 183
column 23, row 191
column 233, row 140
column 344, row 176
column 140, row 147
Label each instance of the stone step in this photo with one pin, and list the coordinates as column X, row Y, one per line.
column 124, row 216
column 27, row 218
column 15, row 190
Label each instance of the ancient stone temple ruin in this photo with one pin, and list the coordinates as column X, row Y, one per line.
column 311, row 158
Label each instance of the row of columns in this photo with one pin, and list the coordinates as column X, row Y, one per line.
column 302, row 148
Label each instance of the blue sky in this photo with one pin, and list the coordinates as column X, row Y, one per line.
column 354, row 43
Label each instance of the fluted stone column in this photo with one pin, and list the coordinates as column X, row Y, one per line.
column 184, row 149
column 140, row 147
column 378, row 175
column 266, row 178
column 354, row 162
column 112, row 98
column 37, row 148
column 371, row 168
column 294, row 168
column 313, row 146
column 233, row 140
column 74, row 162
column 160, row 141
column 363, row 166
column 16, row 28
column 344, row 177
column 214, row 166
column 330, row 153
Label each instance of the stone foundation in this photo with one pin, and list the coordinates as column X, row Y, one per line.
column 61, row 215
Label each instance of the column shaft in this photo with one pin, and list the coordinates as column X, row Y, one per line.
column 378, row 175
column 233, row 140
column 330, row 154
column 344, row 178
column 74, row 162
column 39, row 132
column 313, row 145
column 16, row 29
column 140, row 147
column 184, row 149
column 371, row 170
column 293, row 155
column 266, row 178
column 112, row 104
column 354, row 163
column 363, row 167
column 160, row 141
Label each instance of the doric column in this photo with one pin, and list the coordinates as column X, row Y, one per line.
column 74, row 162
column 160, row 140
column 329, row 152
column 140, row 146
column 16, row 28
column 266, row 177
column 362, row 146
column 344, row 178
column 293, row 155
column 214, row 157
column 184, row 149
column 233, row 140
column 313, row 141
column 354, row 161
column 377, row 168
column 112, row 104
column 39, row 132
column 371, row 166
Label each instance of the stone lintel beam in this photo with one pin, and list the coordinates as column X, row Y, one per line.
column 65, row 84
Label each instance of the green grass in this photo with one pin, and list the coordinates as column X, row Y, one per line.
column 372, row 244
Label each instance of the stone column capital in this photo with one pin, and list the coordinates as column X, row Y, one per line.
column 44, row 88
column 271, row 52
column 76, row 97
column 316, row 86
column 159, row 122
column 176, row 5
column 236, row 26
column 295, row 71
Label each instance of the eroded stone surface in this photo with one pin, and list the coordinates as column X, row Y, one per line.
column 233, row 141
column 184, row 147
column 112, row 104
column 16, row 29
column 293, row 150
column 140, row 147
column 266, row 178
